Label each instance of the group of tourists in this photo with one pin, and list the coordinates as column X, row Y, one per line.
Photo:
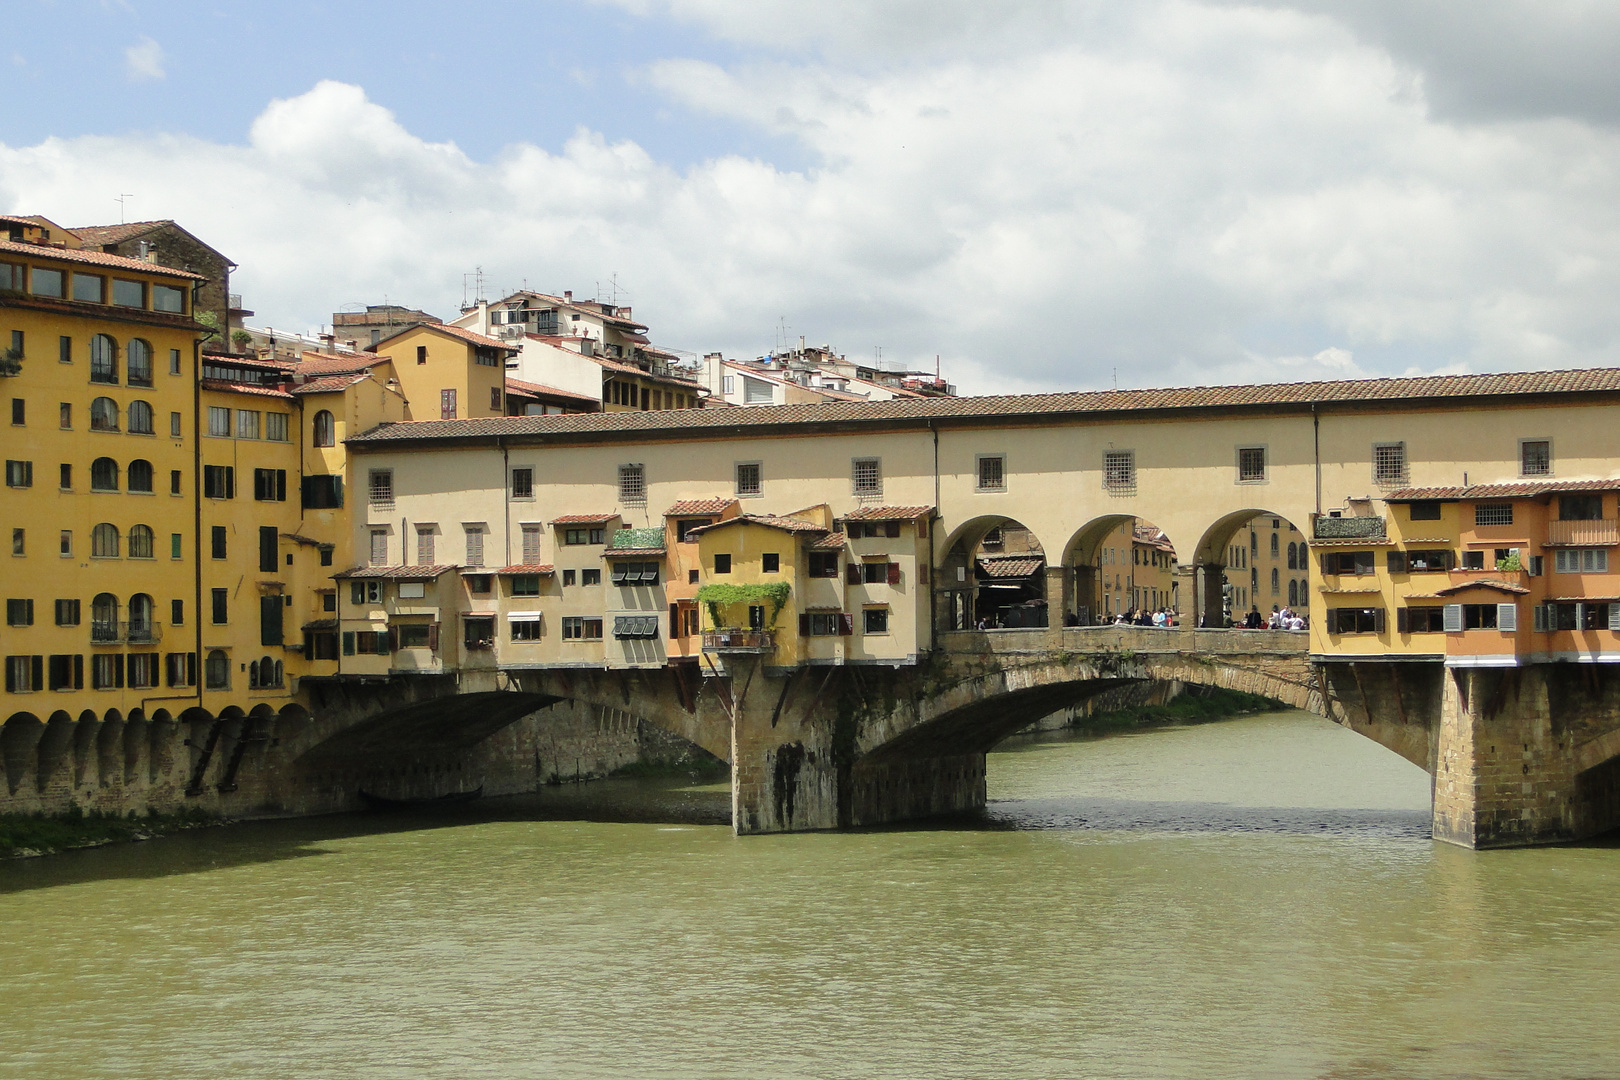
column 1161, row 617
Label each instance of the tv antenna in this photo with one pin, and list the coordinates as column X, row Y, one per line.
column 121, row 208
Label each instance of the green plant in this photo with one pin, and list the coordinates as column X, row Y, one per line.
column 713, row 596
column 1511, row 563
column 241, row 338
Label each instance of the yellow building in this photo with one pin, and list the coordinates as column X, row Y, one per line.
column 446, row 372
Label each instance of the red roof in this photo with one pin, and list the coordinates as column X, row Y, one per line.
column 329, row 384
column 887, row 513
column 1483, row 583
column 584, row 519
column 397, row 573
column 830, row 542
column 614, row 553
column 1011, row 566
column 1526, row 489
column 244, row 388
column 770, row 521
column 548, row 391
column 452, row 331
column 690, row 507
column 94, row 258
column 314, row 363
column 522, row 568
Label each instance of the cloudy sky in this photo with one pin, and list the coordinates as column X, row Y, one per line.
column 1046, row 195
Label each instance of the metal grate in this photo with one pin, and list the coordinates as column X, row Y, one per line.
column 1389, row 464
column 992, row 473
column 748, row 478
column 382, row 489
column 1119, row 471
column 1535, row 458
column 1493, row 514
column 632, row 485
column 1251, row 464
column 867, row 477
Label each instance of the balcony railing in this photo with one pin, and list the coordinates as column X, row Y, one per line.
column 1582, row 533
column 134, row 633
column 739, row 641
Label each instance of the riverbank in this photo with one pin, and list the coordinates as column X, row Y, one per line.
column 1198, row 705
column 25, row 835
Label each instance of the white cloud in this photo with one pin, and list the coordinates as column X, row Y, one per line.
column 1187, row 192
column 144, row 60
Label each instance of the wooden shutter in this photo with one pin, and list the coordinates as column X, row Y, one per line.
column 1614, row 616
column 804, row 623
column 1538, row 617
column 393, row 639
column 922, row 528
column 281, row 485
column 37, row 671
column 1397, row 561
column 1327, row 562
column 268, row 546
column 852, row 573
column 230, row 481
column 891, row 529
column 118, row 670
column 846, row 625
column 433, row 636
column 1451, row 559
column 674, row 620
column 894, row 573
column 78, row 671
column 1401, row 620
column 270, row 608
column 1507, row 616
column 1378, row 618
column 348, row 643
column 1452, row 619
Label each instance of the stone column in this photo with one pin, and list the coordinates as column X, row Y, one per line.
column 1187, row 598
column 1211, row 600
column 1059, row 598
column 783, row 774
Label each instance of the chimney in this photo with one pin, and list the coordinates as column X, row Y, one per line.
column 568, row 295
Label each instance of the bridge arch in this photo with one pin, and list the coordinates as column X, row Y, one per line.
column 993, row 573
column 1117, row 563
column 1249, row 560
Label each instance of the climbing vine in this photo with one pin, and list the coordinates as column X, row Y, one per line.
column 713, row 596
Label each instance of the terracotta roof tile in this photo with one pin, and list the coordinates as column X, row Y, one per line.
column 584, row 519
column 1527, row 489
column 887, row 513
column 700, row 506
column 452, row 331
column 396, row 573
column 313, row 363
column 614, row 553
column 1011, row 566
column 517, row 568
column 116, row 234
column 830, row 542
column 94, row 258
column 770, row 521
column 320, row 624
column 540, row 388
column 329, row 384
column 1483, row 583
column 244, row 388
column 1088, row 403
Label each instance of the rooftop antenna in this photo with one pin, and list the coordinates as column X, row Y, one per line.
column 120, row 202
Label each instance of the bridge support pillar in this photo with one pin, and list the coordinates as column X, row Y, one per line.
column 1059, row 602
column 1211, row 595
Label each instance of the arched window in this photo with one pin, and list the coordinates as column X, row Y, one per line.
column 140, row 418
column 1273, row 545
column 140, row 476
column 140, row 542
column 140, row 363
column 276, row 681
column 104, row 618
column 104, row 474
column 325, row 430
column 1276, row 582
column 217, row 670
column 103, row 359
column 104, row 414
column 140, row 618
column 1293, row 591
column 104, row 541
column 1293, row 557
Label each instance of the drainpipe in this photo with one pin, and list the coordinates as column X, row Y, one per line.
column 506, row 501
column 196, row 509
column 933, row 590
column 1316, row 438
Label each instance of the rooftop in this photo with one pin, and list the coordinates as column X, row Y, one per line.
column 887, row 513
column 1528, row 489
column 397, row 573
column 94, row 258
column 1040, row 408
column 770, row 521
column 692, row 507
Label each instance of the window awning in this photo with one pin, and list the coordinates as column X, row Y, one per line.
column 523, row 616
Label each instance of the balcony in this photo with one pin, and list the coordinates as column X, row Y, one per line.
column 1583, row 533
column 1350, row 528
column 119, row 633
column 739, row 641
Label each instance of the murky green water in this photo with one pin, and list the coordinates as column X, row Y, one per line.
column 1249, row 899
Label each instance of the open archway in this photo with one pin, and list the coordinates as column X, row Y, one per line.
column 1252, row 566
column 994, row 577
column 1121, row 567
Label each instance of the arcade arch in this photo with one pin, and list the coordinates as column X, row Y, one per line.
column 994, row 576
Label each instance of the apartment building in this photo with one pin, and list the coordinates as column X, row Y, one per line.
column 809, row 374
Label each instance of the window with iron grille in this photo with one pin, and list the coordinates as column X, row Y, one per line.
column 632, row 485
column 382, row 489
column 1389, row 464
column 749, row 480
column 992, row 472
column 523, row 483
column 1535, row 457
column 1493, row 514
column 867, row 476
column 1251, row 464
column 1119, row 470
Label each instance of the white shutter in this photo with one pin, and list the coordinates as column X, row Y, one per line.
column 1507, row 616
column 1614, row 616
column 1451, row 618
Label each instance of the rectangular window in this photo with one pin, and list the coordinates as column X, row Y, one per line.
column 1419, row 562
column 684, row 527
column 46, row 282
column 322, row 492
column 174, row 546
column 1580, row 508
column 107, row 671
column 19, row 541
column 1493, row 514
column 494, row 397
column 64, row 349
column 67, row 613
column 269, row 548
column 632, row 485
column 575, row 628
column 168, row 298
column 722, row 563
column 531, row 544
column 824, row 564
column 381, row 489
column 591, row 576
column 220, row 606
column 19, row 412
column 525, row 628
column 1581, row 561
column 64, row 416
column 866, row 476
column 1422, row 620
column 475, row 545
column 583, row 536
column 770, row 563
column 270, row 485
column 219, row 481
column 129, row 293
column 635, row 573
column 568, row 577
column 1251, row 464
column 175, row 430
column 447, row 404
column 379, row 547
column 1348, row 562
column 275, row 426
column 177, row 613
column 414, row 635
column 89, row 288
column 19, row 474
column 62, row 670
column 421, row 354
column 525, row 584
column 424, row 544
column 174, row 361
column 1535, row 457
column 143, row 670
column 217, row 542
column 219, row 422
column 635, row 626
column 749, row 482
column 522, row 483
column 24, row 674
column 1389, row 464
column 65, row 543
column 875, row 620
column 1119, row 471
column 19, row 613
column 1355, row 620
column 247, row 424
column 992, row 472
column 1473, row 560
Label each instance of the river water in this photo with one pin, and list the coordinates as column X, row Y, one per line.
column 1256, row 898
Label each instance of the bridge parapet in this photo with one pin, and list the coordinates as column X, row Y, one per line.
column 1132, row 639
